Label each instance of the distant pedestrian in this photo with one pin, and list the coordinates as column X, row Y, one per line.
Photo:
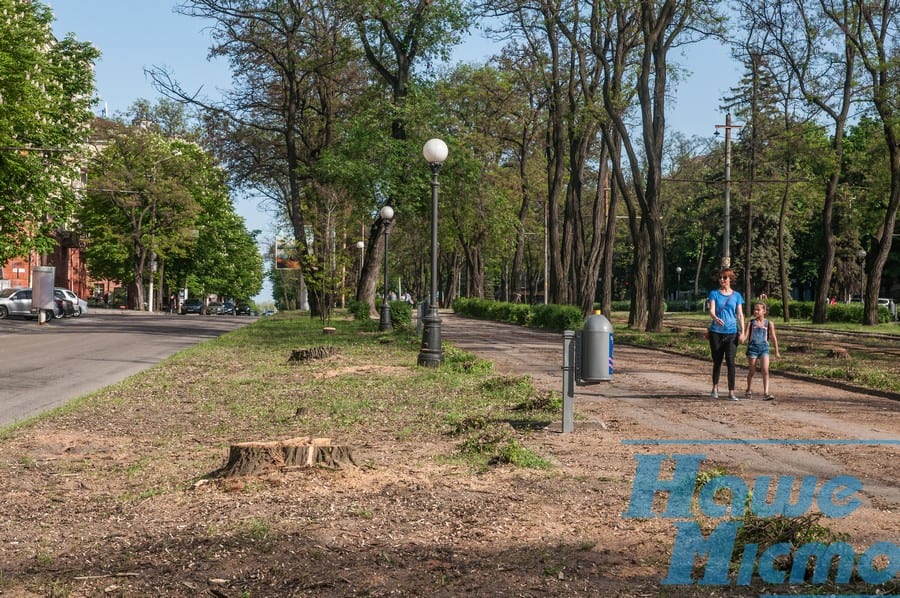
column 760, row 332
column 726, row 330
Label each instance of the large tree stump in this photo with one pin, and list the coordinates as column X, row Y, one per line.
column 253, row 458
column 300, row 355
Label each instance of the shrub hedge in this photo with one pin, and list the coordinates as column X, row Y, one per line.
column 568, row 317
column 548, row 317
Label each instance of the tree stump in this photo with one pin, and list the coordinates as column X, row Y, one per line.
column 301, row 355
column 838, row 353
column 254, row 458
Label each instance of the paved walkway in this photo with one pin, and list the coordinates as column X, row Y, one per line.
column 659, row 397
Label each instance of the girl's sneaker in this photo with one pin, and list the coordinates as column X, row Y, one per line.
column 714, row 394
column 769, row 397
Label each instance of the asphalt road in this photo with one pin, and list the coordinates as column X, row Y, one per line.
column 44, row 366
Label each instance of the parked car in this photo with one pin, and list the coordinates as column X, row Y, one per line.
column 192, row 306
column 242, row 309
column 214, row 308
column 64, row 307
column 228, row 309
column 17, row 302
column 80, row 306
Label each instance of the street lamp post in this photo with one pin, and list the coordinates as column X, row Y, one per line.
column 150, row 297
column 387, row 214
column 361, row 245
column 430, row 354
column 862, row 276
column 678, row 288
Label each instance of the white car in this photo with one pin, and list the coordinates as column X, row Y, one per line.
column 80, row 305
column 889, row 304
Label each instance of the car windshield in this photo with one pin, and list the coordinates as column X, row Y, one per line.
column 7, row 292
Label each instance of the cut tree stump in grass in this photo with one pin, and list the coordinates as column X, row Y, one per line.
column 838, row 353
column 253, row 458
column 301, row 355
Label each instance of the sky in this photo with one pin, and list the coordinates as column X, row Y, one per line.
column 134, row 35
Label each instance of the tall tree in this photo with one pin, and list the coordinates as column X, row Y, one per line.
column 535, row 27
column 872, row 29
column 294, row 71
column 662, row 25
column 822, row 62
column 396, row 36
column 138, row 202
column 46, row 92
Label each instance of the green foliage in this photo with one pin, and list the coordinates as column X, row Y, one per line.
column 401, row 313
column 358, row 309
column 704, row 476
column 462, row 361
column 557, row 317
column 765, row 532
column 548, row 317
column 46, row 92
column 495, row 444
column 500, row 311
column 853, row 312
column 619, row 306
column 839, row 312
column 152, row 196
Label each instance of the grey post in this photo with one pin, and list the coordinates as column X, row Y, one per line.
column 568, row 418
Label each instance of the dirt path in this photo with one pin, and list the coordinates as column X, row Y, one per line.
column 658, row 397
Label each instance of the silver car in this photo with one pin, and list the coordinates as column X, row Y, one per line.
column 80, row 305
column 15, row 302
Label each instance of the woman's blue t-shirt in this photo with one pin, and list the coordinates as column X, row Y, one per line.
column 726, row 309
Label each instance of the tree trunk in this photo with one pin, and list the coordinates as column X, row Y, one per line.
column 371, row 272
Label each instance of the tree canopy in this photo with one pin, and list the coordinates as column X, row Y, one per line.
column 46, row 92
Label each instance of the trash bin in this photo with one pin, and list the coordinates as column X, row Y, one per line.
column 596, row 349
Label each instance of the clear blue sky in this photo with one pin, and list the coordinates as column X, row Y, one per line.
column 133, row 35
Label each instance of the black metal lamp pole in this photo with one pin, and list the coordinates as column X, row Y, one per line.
column 387, row 213
column 430, row 354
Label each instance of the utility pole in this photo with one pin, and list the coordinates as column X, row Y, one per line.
column 726, row 234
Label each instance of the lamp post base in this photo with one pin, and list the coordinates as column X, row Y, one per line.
column 384, row 323
column 431, row 354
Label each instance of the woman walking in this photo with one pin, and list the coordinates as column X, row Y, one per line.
column 726, row 330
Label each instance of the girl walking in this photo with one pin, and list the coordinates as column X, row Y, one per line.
column 760, row 332
column 726, row 330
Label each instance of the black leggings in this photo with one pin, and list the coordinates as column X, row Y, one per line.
column 723, row 346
